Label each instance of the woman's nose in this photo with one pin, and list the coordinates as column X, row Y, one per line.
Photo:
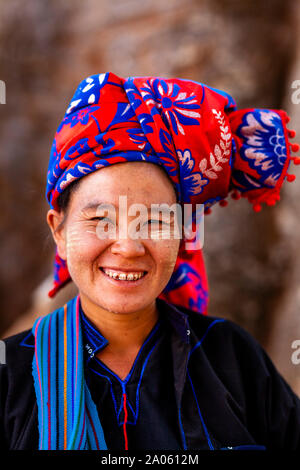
column 128, row 247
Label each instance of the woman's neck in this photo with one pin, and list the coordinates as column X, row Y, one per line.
column 124, row 331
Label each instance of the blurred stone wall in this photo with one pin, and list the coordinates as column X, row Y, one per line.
column 247, row 48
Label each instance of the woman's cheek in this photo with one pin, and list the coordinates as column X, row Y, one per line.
column 82, row 246
column 169, row 252
column 172, row 259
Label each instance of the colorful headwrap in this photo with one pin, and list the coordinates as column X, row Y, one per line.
column 208, row 148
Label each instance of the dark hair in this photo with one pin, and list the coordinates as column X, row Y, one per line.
column 63, row 199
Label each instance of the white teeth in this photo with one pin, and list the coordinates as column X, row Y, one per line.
column 123, row 276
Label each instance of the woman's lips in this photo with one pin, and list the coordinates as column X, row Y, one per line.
column 125, row 283
column 123, row 270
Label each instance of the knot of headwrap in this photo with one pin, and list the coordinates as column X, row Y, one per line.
column 208, row 148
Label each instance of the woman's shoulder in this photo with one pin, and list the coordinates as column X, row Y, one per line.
column 23, row 339
column 218, row 327
column 19, row 338
column 18, row 413
column 226, row 342
column 18, row 352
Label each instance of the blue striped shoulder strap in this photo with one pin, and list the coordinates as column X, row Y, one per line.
column 67, row 416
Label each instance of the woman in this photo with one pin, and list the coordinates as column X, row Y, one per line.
column 133, row 362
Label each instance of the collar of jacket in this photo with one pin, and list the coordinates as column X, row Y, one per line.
column 177, row 319
column 180, row 341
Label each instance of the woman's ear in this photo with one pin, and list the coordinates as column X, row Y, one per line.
column 55, row 221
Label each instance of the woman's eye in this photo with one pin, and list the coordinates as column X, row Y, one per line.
column 155, row 221
column 100, row 219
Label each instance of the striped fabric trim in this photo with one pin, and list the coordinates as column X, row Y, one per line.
column 67, row 416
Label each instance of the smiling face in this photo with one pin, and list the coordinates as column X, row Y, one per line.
column 92, row 257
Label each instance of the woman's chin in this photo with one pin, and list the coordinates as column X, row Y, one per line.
column 123, row 304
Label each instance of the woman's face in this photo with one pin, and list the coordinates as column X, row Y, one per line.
column 91, row 245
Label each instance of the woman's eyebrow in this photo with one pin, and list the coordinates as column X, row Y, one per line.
column 154, row 210
column 96, row 205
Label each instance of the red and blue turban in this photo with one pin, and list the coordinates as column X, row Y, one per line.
column 208, row 148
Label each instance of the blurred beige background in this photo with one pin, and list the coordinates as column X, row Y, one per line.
column 249, row 48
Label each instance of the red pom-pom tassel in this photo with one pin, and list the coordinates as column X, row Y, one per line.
column 236, row 195
column 223, row 203
column 290, row 178
column 291, row 133
column 207, row 211
column 52, row 292
column 271, row 202
column 257, row 207
column 295, row 147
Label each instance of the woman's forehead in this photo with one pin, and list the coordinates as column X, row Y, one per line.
column 129, row 176
column 133, row 168
column 136, row 181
